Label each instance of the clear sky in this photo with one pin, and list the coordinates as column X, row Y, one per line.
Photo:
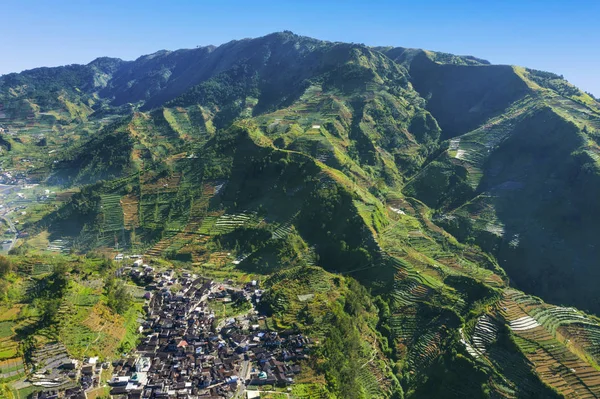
column 562, row 36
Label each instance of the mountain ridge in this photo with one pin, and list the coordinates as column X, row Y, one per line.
column 424, row 188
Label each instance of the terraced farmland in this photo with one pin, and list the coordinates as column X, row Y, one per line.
column 582, row 337
column 188, row 229
column 11, row 368
column 228, row 222
column 11, row 362
column 131, row 216
column 310, row 391
column 112, row 219
column 199, row 208
column 179, row 121
column 485, row 333
column 418, row 329
column 157, row 196
column 283, row 229
column 157, row 249
column 534, row 325
column 8, row 346
column 540, row 331
column 471, row 149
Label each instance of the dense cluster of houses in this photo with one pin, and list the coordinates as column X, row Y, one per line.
column 70, row 393
column 186, row 352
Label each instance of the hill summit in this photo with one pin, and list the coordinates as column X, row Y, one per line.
column 412, row 211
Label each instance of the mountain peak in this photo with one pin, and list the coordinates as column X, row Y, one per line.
column 356, row 200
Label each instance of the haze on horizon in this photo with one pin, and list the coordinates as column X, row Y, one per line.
column 555, row 36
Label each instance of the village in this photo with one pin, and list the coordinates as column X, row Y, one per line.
column 185, row 350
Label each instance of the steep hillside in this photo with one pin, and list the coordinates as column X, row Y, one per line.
column 399, row 206
column 540, row 153
column 462, row 97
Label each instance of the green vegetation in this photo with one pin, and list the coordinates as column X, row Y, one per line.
column 118, row 297
column 384, row 198
column 341, row 312
column 66, row 301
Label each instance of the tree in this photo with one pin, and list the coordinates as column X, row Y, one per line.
column 58, row 281
column 342, row 351
column 49, row 309
column 118, row 297
column 106, row 266
column 5, row 266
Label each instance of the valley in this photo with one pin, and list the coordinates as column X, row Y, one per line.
column 394, row 222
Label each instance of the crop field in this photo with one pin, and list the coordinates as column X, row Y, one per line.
column 82, row 295
column 86, row 327
column 370, row 379
column 485, row 333
column 183, row 227
column 534, row 326
column 154, row 132
column 426, row 348
column 9, row 313
column 112, row 218
column 229, row 222
column 410, row 289
column 418, row 337
column 182, row 240
column 199, row 208
column 207, row 224
column 312, row 109
column 110, row 329
column 8, row 346
column 303, row 288
column 6, row 329
column 92, row 330
column 151, row 186
column 471, row 149
column 532, row 323
column 11, row 363
column 163, row 203
column 519, row 379
column 158, row 248
column 281, row 230
column 405, row 239
column 9, row 320
column 11, row 368
column 583, row 337
column 572, row 110
column 179, row 121
column 130, row 206
column 221, row 268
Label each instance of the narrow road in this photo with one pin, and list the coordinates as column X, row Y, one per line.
column 242, row 381
column 13, row 229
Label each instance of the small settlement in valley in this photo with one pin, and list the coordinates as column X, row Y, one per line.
column 185, row 351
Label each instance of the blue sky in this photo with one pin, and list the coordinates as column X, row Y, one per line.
column 561, row 36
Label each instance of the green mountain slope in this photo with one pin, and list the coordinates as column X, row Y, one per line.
column 540, row 153
column 400, row 205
